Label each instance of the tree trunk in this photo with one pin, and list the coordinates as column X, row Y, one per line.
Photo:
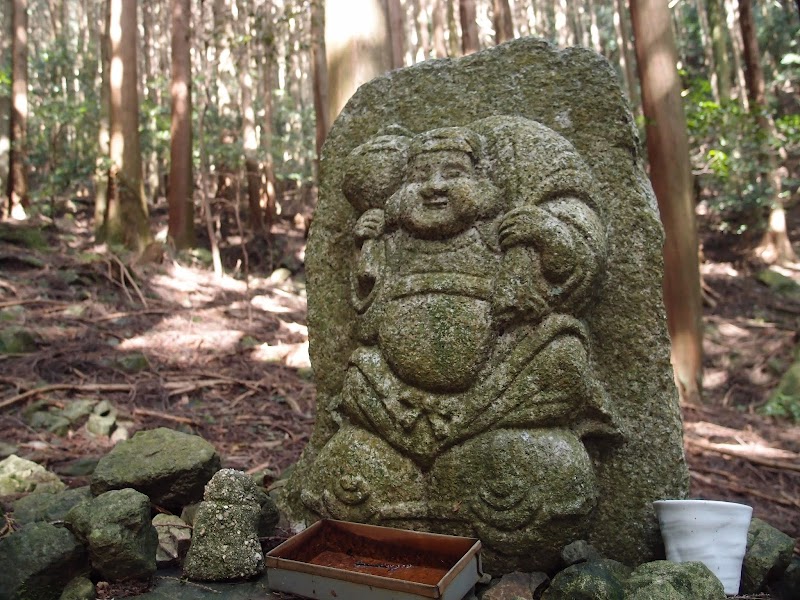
column 126, row 222
column 421, row 27
column 468, row 16
column 775, row 246
column 736, row 41
column 708, row 50
column 439, row 47
column 101, row 179
column 320, row 67
column 719, row 43
column 397, row 32
column 17, row 184
column 6, row 42
column 626, row 58
column 563, row 30
column 181, row 196
column 503, row 22
column 594, row 31
column 357, row 49
column 670, row 173
column 452, row 29
column 249, row 138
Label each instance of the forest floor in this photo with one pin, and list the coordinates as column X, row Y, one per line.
column 169, row 345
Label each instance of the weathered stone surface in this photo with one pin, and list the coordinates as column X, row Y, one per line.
column 225, row 539
column 170, row 467
column 16, row 340
column 512, row 586
column 663, row 580
column 268, row 516
column 49, row 506
column 174, row 537
column 80, row 588
column 577, row 552
column 769, row 552
column 485, row 313
column 170, row 585
column 601, row 579
column 116, row 529
column 38, row 561
column 20, row 476
column 788, row 586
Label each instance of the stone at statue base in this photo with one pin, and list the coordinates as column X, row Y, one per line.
column 485, row 314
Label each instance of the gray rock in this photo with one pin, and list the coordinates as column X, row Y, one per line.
column 485, row 312
column 578, row 552
column 170, row 585
column 21, row 476
column 116, row 528
column 52, row 422
column 49, row 506
column 37, row 562
column 788, row 586
column 225, row 538
column 170, row 467
column 269, row 516
column 602, row 579
column 174, row 537
column 79, row 467
column 663, row 580
column 75, row 410
column 7, row 449
column 512, row 586
column 80, row 588
column 769, row 552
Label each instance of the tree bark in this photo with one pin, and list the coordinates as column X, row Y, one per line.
column 421, row 28
column 181, row 195
column 249, row 138
column 17, row 184
column 101, row 171
column 736, row 41
column 626, row 58
column 439, row 47
column 468, row 16
column 397, row 32
column 452, row 29
column 6, row 42
column 670, row 173
column 127, row 219
column 320, row 75
column 503, row 22
column 357, row 49
column 708, row 50
column 719, row 43
column 775, row 246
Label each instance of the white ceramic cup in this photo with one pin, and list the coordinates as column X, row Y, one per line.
column 709, row 531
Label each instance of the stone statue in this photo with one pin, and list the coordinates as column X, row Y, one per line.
column 470, row 399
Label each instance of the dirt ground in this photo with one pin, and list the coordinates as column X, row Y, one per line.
column 229, row 361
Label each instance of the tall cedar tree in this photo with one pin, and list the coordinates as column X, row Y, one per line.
column 671, row 176
column 180, row 199
column 17, row 183
column 126, row 218
column 468, row 15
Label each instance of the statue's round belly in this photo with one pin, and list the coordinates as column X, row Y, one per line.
column 437, row 342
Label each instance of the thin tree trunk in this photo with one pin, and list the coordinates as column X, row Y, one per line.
column 708, row 50
column 6, row 43
column 181, row 195
column 626, row 57
column 503, row 22
column 670, row 173
column 468, row 16
column 101, row 173
column 127, row 209
column 320, row 67
column 439, row 47
column 421, row 27
column 17, row 184
column 719, row 42
column 452, row 29
column 249, row 138
column 594, row 31
column 397, row 32
column 736, row 41
column 563, row 30
column 775, row 246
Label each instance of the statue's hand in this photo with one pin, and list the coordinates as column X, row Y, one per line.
column 370, row 225
column 550, row 237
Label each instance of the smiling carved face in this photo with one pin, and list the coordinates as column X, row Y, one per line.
column 442, row 195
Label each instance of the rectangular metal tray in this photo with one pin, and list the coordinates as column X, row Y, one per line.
column 368, row 561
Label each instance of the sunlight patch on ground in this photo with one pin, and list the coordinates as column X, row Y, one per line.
column 714, row 378
column 179, row 341
column 719, row 269
column 731, row 330
column 291, row 355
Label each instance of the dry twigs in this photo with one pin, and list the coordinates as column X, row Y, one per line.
column 746, row 491
column 739, row 451
column 83, row 387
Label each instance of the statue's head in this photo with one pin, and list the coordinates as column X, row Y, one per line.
column 445, row 189
column 374, row 170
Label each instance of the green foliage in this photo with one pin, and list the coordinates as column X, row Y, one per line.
column 784, row 406
column 730, row 158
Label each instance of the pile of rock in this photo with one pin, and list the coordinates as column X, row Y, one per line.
column 768, row 567
column 107, row 532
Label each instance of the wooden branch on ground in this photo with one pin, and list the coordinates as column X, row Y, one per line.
column 146, row 412
column 83, row 387
column 739, row 451
column 24, row 301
